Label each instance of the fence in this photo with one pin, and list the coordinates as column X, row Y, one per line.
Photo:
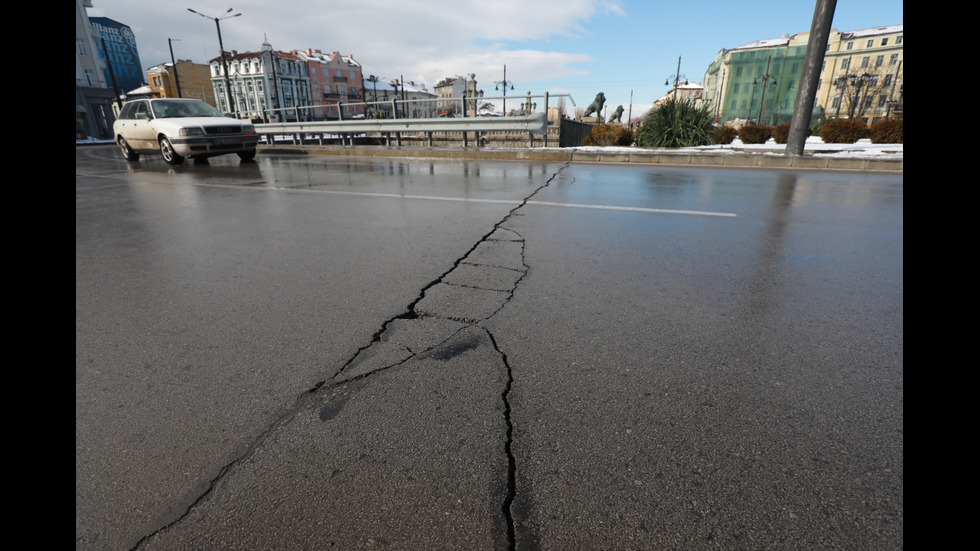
column 484, row 131
column 396, row 129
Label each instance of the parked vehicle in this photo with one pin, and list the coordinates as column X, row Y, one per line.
column 181, row 128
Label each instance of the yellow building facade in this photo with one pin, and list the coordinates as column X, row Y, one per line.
column 192, row 79
column 863, row 73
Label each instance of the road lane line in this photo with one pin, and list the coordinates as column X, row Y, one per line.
column 633, row 209
column 515, row 202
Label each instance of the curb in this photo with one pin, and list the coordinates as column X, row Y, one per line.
column 728, row 159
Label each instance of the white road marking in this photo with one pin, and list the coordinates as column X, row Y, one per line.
column 515, row 203
column 633, row 209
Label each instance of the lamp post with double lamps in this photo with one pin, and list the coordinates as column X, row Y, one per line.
column 765, row 79
column 676, row 76
column 505, row 82
column 224, row 63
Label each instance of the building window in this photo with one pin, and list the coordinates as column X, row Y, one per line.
column 893, row 59
column 884, row 41
column 82, row 48
column 865, row 61
column 871, row 43
column 879, row 61
column 850, row 45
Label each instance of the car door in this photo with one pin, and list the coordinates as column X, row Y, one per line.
column 136, row 127
column 142, row 127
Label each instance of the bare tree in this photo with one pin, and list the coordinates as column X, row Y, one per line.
column 862, row 88
column 560, row 106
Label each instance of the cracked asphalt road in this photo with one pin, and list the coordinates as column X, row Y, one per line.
column 385, row 354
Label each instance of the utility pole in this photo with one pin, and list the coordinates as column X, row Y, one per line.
column 172, row 60
column 823, row 17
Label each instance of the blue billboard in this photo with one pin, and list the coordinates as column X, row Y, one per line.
column 118, row 47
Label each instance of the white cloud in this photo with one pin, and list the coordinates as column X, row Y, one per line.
column 422, row 40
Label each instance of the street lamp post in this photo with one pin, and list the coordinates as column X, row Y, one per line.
column 505, row 82
column 677, row 76
column 765, row 78
column 853, row 98
column 224, row 63
column 372, row 112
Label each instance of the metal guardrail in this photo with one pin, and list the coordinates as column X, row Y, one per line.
column 535, row 123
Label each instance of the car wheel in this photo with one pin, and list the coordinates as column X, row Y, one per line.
column 246, row 155
column 127, row 152
column 168, row 153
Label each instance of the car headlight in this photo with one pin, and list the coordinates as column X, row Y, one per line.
column 192, row 131
column 248, row 129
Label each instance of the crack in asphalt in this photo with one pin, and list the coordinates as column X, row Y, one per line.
column 436, row 303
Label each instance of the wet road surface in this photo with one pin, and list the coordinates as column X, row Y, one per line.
column 349, row 353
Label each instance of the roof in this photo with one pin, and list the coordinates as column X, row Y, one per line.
column 236, row 55
column 311, row 54
column 873, row 31
column 385, row 86
column 784, row 40
column 767, row 43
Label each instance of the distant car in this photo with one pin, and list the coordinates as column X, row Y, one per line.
column 181, row 128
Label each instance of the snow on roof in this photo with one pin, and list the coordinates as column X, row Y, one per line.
column 784, row 40
column 385, row 86
column 873, row 31
column 767, row 43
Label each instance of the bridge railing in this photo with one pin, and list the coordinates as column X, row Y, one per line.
column 534, row 123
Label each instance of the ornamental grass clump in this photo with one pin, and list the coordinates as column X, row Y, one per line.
column 677, row 123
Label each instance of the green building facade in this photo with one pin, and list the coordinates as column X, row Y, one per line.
column 762, row 84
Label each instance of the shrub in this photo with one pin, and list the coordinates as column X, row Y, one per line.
column 844, row 131
column 677, row 123
column 780, row 133
column 609, row 134
column 725, row 134
column 887, row 131
column 755, row 133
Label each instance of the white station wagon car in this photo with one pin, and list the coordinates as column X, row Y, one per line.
column 180, row 128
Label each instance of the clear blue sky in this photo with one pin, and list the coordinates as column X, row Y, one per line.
column 578, row 47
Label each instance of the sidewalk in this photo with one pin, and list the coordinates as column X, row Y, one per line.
column 861, row 156
column 817, row 156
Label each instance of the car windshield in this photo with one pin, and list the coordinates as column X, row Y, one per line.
column 174, row 109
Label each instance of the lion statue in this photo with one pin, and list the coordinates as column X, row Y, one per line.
column 617, row 114
column 596, row 106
